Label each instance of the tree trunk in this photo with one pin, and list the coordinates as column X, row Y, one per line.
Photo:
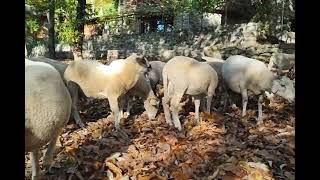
column 201, row 21
column 226, row 13
column 120, row 6
column 51, row 37
column 81, row 11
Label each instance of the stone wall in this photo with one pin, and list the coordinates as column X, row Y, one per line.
column 195, row 21
column 230, row 40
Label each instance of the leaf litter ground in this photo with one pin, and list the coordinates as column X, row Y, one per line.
column 223, row 146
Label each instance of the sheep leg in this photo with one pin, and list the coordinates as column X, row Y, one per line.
column 166, row 109
column 47, row 159
column 128, row 108
column 196, row 108
column 175, row 102
column 227, row 95
column 260, row 120
column 35, row 164
column 203, row 104
column 244, row 94
column 74, row 92
column 75, row 111
column 121, row 104
column 209, row 100
column 114, row 106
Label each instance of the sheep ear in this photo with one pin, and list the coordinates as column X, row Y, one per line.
column 142, row 60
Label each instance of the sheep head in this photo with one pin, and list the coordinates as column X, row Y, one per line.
column 284, row 87
column 152, row 106
column 141, row 61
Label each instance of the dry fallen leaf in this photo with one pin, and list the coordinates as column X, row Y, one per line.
column 180, row 175
column 220, row 147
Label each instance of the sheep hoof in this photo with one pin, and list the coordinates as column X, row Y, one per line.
column 80, row 124
column 178, row 126
column 259, row 120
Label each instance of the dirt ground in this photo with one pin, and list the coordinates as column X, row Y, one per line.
column 223, row 146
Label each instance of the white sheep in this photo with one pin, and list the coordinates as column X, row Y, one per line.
column 47, row 110
column 282, row 61
column 142, row 89
column 215, row 63
column 101, row 81
column 155, row 73
column 246, row 76
column 283, row 87
column 184, row 75
column 73, row 88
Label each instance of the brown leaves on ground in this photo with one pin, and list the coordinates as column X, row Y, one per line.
column 222, row 146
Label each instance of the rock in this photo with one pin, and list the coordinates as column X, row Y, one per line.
column 166, row 55
column 196, row 54
column 212, row 51
column 288, row 37
column 112, row 55
column 284, row 87
column 40, row 50
column 212, row 19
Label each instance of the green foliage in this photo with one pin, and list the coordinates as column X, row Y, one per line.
column 109, row 9
column 202, row 6
column 40, row 5
column 270, row 13
column 32, row 26
column 66, row 21
column 67, row 33
column 31, row 43
column 32, row 22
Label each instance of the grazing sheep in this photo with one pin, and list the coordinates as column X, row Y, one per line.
column 111, row 82
column 155, row 78
column 282, row 61
column 184, row 75
column 246, row 76
column 283, row 87
column 47, row 110
column 73, row 88
column 215, row 63
column 155, row 73
column 141, row 89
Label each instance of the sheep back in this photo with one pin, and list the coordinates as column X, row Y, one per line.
column 239, row 71
column 47, row 104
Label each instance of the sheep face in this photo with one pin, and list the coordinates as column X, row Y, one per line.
column 284, row 87
column 143, row 62
column 152, row 106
